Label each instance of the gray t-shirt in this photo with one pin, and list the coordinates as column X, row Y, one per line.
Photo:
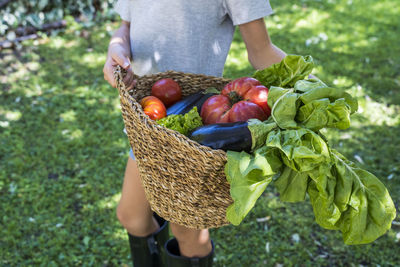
column 189, row 36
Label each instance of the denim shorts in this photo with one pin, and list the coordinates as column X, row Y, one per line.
column 131, row 151
column 131, row 154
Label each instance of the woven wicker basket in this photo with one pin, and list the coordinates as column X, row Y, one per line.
column 183, row 180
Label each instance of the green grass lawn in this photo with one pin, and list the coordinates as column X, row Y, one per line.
column 63, row 152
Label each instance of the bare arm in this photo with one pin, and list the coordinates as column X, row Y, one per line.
column 261, row 51
column 119, row 53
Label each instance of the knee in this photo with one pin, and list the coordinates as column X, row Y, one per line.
column 124, row 217
column 179, row 231
column 135, row 225
column 184, row 234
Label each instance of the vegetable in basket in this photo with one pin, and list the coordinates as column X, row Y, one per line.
column 311, row 104
column 167, row 90
column 185, row 105
column 249, row 89
column 299, row 162
column 241, row 99
column 289, row 151
column 153, row 107
column 286, row 73
column 234, row 136
column 183, row 123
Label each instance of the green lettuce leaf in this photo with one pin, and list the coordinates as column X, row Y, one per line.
column 311, row 104
column 299, row 161
column 284, row 103
column 315, row 89
column 248, row 176
column 291, row 185
column 259, row 131
column 321, row 190
column 301, row 149
column 322, row 113
column 182, row 123
column 289, row 150
column 369, row 211
column 307, row 85
column 286, row 73
column 351, row 200
column 322, row 106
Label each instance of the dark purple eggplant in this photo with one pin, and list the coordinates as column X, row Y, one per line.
column 199, row 103
column 185, row 105
column 234, row 136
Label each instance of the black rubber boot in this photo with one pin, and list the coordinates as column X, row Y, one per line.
column 149, row 251
column 174, row 258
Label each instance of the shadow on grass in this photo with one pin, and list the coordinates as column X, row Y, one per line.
column 62, row 155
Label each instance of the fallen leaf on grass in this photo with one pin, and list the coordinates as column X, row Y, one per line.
column 264, row 219
column 267, row 247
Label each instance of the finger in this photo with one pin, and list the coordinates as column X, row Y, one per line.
column 128, row 81
column 111, row 82
column 109, row 77
column 121, row 59
column 132, row 84
column 128, row 77
column 108, row 71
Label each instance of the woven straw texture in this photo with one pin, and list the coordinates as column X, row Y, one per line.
column 183, row 180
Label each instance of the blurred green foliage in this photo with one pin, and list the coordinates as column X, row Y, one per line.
column 36, row 13
column 63, row 152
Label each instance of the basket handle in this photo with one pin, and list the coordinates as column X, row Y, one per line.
column 119, row 75
column 125, row 97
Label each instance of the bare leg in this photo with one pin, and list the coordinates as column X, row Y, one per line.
column 134, row 210
column 192, row 242
column 136, row 216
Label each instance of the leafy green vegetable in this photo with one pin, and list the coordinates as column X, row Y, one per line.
column 311, row 104
column 321, row 113
column 248, row 176
column 302, row 149
column 315, row 89
column 284, row 106
column 323, row 106
column 321, row 190
column 289, row 150
column 366, row 207
column 291, row 185
column 212, row 90
column 259, row 131
column 286, row 73
column 182, row 123
column 343, row 196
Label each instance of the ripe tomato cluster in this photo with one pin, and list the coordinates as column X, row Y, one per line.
column 241, row 99
column 164, row 93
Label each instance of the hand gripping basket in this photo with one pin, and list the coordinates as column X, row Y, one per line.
column 183, row 180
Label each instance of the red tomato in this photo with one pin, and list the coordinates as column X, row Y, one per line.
column 249, row 99
column 259, row 95
column 218, row 109
column 244, row 110
column 214, row 109
column 167, row 90
column 153, row 107
column 240, row 86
